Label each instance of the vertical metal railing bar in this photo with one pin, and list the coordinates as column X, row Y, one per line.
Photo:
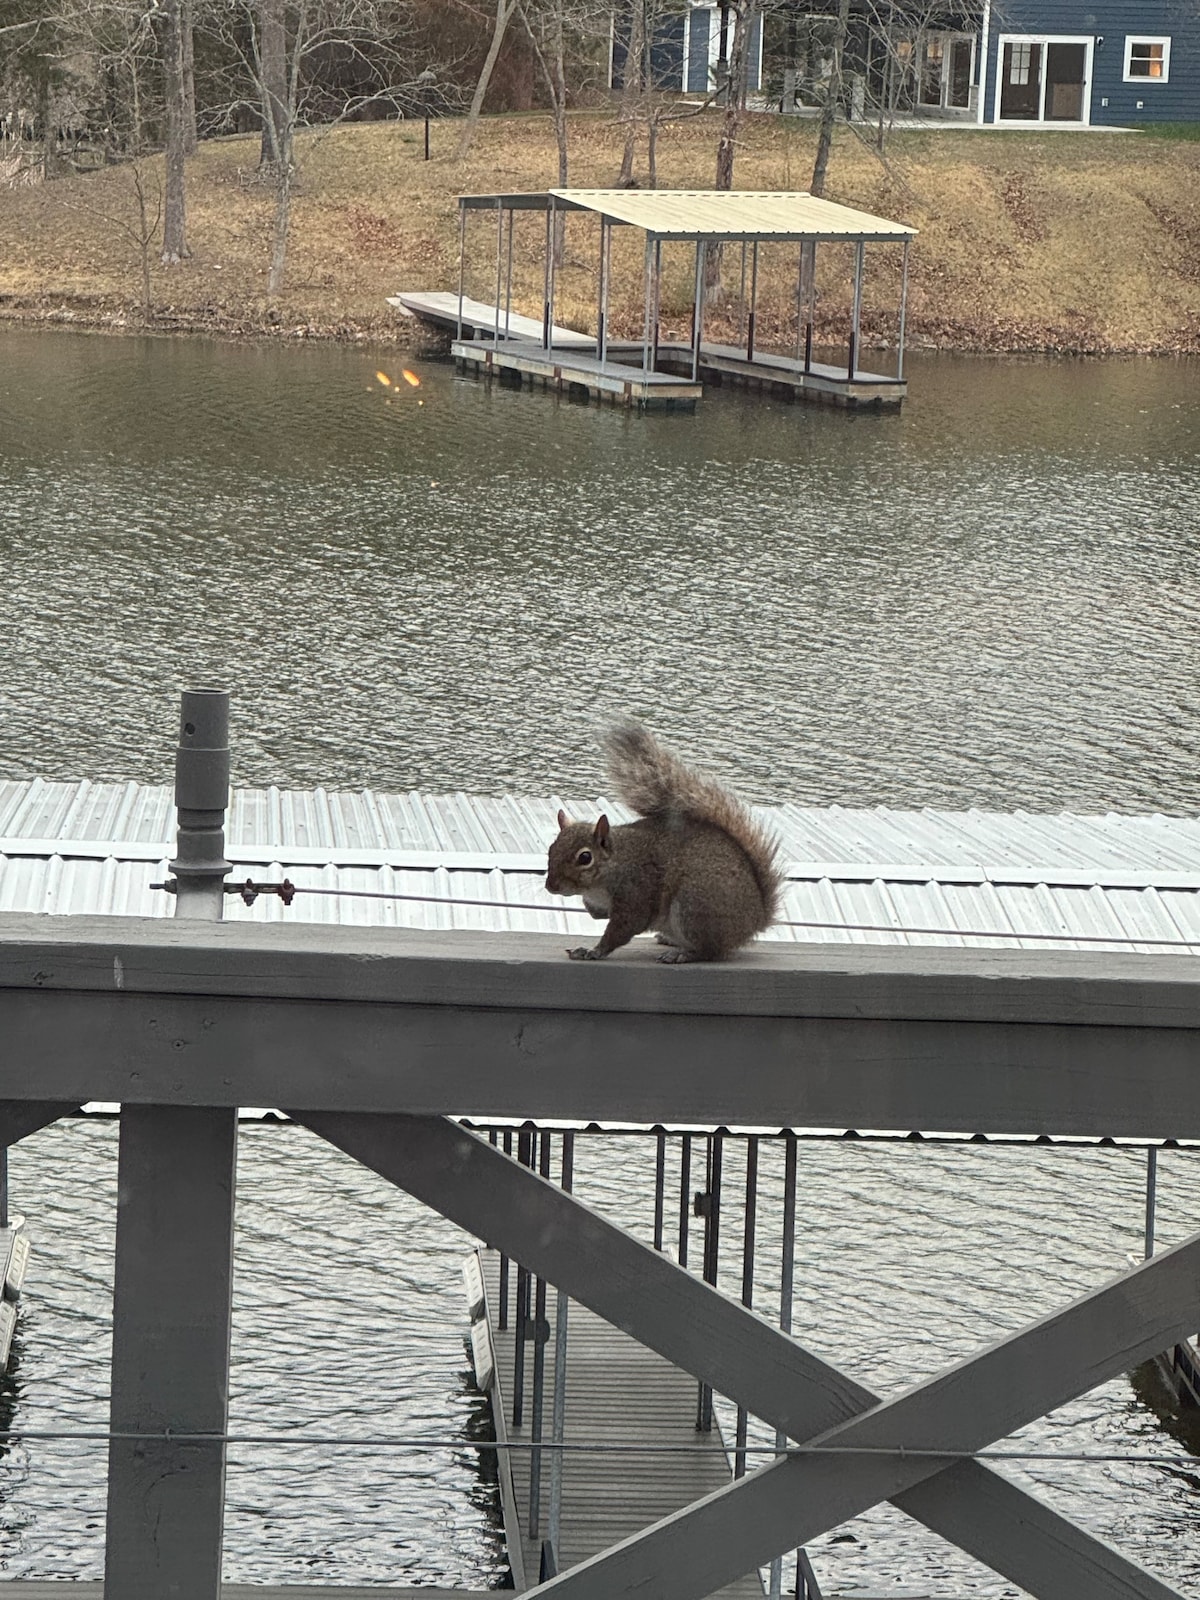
column 559, row 1411
column 540, row 1331
column 507, row 1147
column 787, row 1272
column 685, row 1197
column 525, row 1140
column 711, row 1210
column 749, row 1234
column 807, row 1587
column 1151, row 1198
column 660, row 1183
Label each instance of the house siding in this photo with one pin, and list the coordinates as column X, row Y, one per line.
column 1176, row 100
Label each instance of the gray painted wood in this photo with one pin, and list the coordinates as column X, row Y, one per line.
column 172, row 1302
column 617, row 1390
column 65, row 1589
column 20, row 1118
column 504, row 1025
column 651, row 1298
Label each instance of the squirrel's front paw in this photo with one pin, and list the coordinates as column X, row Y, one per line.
column 584, row 953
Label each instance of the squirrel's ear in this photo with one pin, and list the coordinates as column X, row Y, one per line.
column 564, row 822
column 600, row 832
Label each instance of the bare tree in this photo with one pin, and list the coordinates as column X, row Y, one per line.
column 174, row 244
column 505, row 10
column 312, row 64
column 562, row 32
column 833, row 97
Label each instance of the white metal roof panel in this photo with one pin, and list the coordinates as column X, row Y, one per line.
column 733, row 214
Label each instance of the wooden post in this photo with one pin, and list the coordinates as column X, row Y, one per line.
column 173, row 1282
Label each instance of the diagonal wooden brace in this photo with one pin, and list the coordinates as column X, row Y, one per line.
column 647, row 1295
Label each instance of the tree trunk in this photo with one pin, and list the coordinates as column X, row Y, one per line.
column 283, row 221
column 174, row 249
column 735, row 105
column 504, row 11
column 190, row 137
column 632, row 88
column 272, row 82
column 833, row 95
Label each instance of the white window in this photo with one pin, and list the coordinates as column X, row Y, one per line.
column 1018, row 67
column 1147, row 59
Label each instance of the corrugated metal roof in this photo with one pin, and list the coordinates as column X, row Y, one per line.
column 733, row 214
column 96, row 848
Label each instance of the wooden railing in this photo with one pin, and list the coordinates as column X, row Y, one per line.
column 378, row 1039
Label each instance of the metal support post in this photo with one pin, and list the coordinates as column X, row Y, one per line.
column 753, row 301
column 512, row 218
column 856, row 316
column 698, row 311
column 559, row 1412
column 1151, row 1198
column 525, row 1156
column 712, row 1251
column 787, row 1273
column 660, row 1183
column 749, row 1233
column 602, row 312
column 685, row 1196
column 173, row 1280
column 552, row 273
column 462, row 263
column 903, row 313
column 657, row 303
column 540, row 1328
column 499, row 264
column 546, row 270
column 812, row 305
column 647, row 305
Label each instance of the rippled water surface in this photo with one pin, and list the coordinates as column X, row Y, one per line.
column 991, row 600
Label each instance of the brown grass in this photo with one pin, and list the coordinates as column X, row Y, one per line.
column 1028, row 241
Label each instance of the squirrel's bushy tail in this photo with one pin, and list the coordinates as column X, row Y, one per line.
column 655, row 783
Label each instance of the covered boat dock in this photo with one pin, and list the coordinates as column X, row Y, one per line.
column 493, row 340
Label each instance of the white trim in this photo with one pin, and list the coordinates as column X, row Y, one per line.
column 1163, row 39
column 1088, row 42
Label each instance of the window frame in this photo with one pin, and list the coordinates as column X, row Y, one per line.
column 1131, row 39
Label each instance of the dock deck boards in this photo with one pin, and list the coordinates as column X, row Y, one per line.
column 441, row 308
column 618, row 1391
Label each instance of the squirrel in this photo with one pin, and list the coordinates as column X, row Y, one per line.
column 697, row 869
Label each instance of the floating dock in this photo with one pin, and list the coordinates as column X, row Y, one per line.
column 493, row 340
column 616, row 1392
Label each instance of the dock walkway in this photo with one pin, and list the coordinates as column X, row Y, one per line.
column 617, row 1391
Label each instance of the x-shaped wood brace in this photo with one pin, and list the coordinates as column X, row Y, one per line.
column 964, row 1409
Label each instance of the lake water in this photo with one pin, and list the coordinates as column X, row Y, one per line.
column 990, row 600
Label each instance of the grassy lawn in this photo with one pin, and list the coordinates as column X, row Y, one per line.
column 1031, row 240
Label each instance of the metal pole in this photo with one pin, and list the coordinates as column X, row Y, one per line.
column 553, row 230
column 787, row 1275
column 521, row 1310
column 903, row 312
column 698, row 311
column 499, row 261
column 427, row 138
column 602, row 311
column 660, row 1182
column 753, row 302
column 1151, row 1198
column 685, row 1198
column 800, row 305
column 512, row 218
column 859, row 251
column 558, row 1419
column 173, row 1275
column 462, row 263
column 546, row 287
column 540, row 1327
column 646, row 308
column 812, row 304
column 503, row 1318
column 742, row 296
column 712, row 1251
column 657, row 302
column 749, row 1231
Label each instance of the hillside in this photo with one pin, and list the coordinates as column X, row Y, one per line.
column 1081, row 242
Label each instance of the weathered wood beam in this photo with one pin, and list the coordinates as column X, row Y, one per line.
column 739, row 1353
column 172, row 1300
column 496, row 1025
column 20, row 1118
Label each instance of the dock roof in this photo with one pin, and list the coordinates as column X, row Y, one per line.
column 710, row 213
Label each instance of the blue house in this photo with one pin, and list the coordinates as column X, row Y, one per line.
column 1065, row 63
column 1102, row 62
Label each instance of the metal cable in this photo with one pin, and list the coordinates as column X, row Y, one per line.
column 608, row 1447
column 1189, row 945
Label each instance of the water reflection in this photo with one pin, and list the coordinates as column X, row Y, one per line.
column 992, row 600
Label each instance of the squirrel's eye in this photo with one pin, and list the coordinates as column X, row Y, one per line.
column 584, row 858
